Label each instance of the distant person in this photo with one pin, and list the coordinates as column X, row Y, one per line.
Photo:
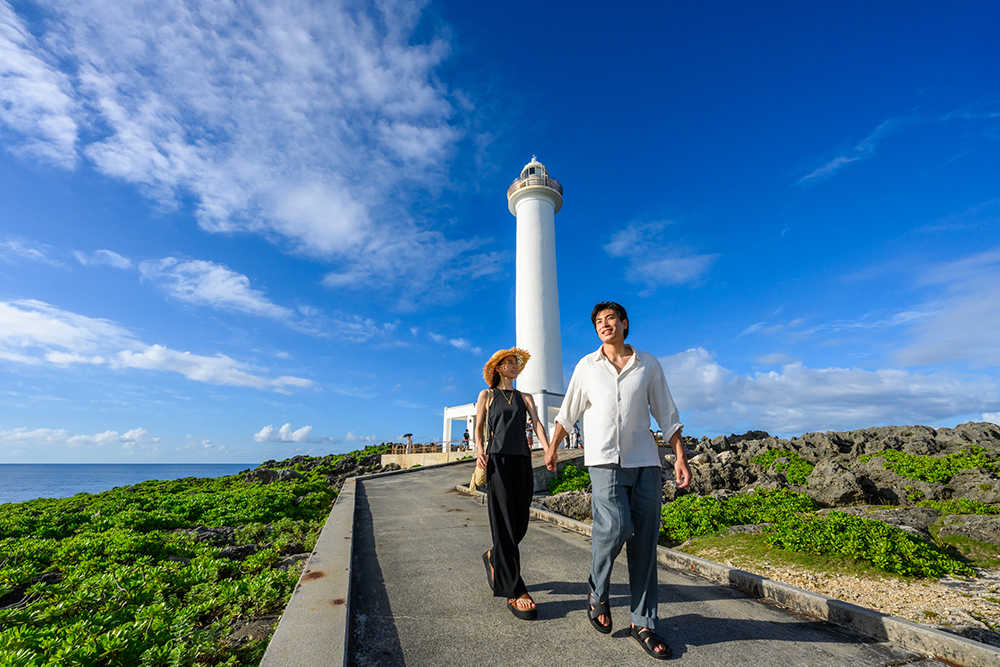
column 618, row 386
column 504, row 453
column 577, row 439
column 465, row 439
column 527, row 433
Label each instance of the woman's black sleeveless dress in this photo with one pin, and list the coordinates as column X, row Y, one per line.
column 509, row 485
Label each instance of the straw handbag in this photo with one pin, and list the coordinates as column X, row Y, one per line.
column 479, row 475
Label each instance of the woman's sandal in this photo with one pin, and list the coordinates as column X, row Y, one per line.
column 489, row 570
column 523, row 614
column 645, row 637
column 598, row 608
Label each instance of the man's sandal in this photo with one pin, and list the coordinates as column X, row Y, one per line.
column 489, row 570
column 598, row 608
column 647, row 640
column 523, row 614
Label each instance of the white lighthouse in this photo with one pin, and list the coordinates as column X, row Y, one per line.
column 534, row 198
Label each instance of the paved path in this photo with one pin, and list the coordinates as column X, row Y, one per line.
column 420, row 597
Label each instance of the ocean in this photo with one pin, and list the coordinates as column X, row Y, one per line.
column 26, row 481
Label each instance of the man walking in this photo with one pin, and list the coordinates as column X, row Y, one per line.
column 618, row 386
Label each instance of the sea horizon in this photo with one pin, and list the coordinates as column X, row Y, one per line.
column 20, row 482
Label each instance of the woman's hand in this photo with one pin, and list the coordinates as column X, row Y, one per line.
column 482, row 458
column 551, row 459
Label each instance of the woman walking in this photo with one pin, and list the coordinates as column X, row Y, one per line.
column 502, row 450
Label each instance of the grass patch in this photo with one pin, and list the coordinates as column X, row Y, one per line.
column 980, row 554
column 796, row 470
column 749, row 551
column 569, row 478
column 937, row 469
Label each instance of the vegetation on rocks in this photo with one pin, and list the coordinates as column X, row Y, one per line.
column 937, row 469
column 961, row 506
column 796, row 527
column 162, row 572
column 569, row 478
column 796, row 469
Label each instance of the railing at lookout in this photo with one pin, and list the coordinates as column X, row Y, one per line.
column 535, row 179
column 430, row 447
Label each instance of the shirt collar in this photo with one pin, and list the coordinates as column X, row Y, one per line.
column 600, row 353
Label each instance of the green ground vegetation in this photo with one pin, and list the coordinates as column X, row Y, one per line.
column 938, row 469
column 961, row 506
column 796, row 469
column 750, row 551
column 107, row 580
column 569, row 478
column 796, row 527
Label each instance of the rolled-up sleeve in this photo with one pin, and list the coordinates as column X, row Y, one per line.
column 661, row 403
column 575, row 401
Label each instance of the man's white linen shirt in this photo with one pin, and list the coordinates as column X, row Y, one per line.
column 616, row 427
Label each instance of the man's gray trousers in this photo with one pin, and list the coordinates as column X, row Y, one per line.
column 626, row 503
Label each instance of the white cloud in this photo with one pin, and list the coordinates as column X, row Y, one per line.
column 15, row 251
column 129, row 441
column 774, row 358
column 207, row 283
column 864, row 149
column 457, row 343
column 993, row 417
column 283, row 434
column 103, row 258
column 219, row 369
column 28, row 324
column 798, row 399
column 304, row 434
column 351, row 437
column 35, row 98
column 33, row 332
column 961, row 324
column 311, row 123
column 653, row 261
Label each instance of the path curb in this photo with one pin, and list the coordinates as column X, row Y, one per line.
column 912, row 636
column 314, row 625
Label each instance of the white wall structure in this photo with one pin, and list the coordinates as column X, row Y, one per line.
column 535, row 198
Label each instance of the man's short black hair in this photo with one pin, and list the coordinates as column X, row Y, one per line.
column 610, row 305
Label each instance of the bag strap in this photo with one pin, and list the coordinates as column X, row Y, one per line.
column 487, row 434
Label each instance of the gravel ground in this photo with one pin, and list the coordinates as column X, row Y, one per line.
column 968, row 607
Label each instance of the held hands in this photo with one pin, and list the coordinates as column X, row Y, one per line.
column 551, row 459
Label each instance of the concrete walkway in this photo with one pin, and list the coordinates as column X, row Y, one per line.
column 419, row 596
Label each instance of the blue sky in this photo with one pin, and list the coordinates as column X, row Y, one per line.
column 232, row 232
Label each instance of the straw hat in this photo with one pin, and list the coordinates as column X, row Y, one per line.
column 489, row 369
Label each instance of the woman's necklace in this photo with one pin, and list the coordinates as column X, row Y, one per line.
column 509, row 400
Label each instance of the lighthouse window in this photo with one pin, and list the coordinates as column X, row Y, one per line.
column 531, row 171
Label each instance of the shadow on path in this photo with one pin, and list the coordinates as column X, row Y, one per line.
column 372, row 623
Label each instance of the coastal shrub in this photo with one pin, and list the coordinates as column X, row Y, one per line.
column 569, row 478
column 961, row 506
column 796, row 470
column 796, row 527
column 107, row 579
column 697, row 516
column 938, row 469
column 886, row 547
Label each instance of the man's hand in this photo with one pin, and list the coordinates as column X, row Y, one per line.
column 552, row 459
column 681, row 473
